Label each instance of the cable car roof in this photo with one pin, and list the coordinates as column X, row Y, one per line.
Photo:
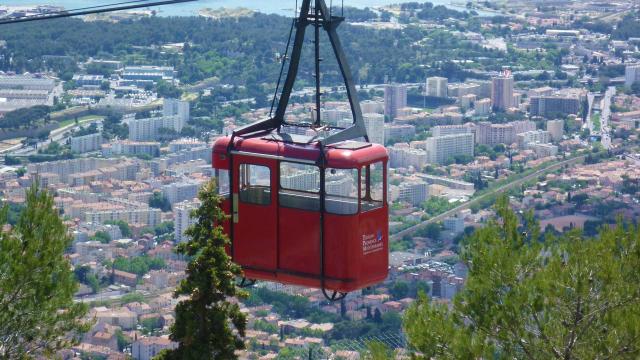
column 345, row 155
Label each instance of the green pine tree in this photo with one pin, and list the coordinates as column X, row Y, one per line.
column 567, row 297
column 37, row 283
column 207, row 325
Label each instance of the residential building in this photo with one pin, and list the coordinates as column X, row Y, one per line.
column 521, row 126
column 395, row 98
column 183, row 219
column 86, row 143
column 502, row 91
column 536, row 137
column 455, row 224
column 147, row 348
column 66, row 168
column 333, row 116
column 372, row 107
column 554, row 105
column 443, row 130
column 148, row 129
column 442, row 149
column 398, row 132
column 437, row 86
column 403, row 156
column 631, row 74
column 482, row 107
column 555, row 129
column 148, row 216
column 543, row 150
column 128, row 147
column 185, row 144
column 174, row 107
column 181, row 191
column 494, row 134
column 375, row 127
column 413, row 192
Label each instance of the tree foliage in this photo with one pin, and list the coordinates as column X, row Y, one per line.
column 37, row 283
column 207, row 325
column 527, row 298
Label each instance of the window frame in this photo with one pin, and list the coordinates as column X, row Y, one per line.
column 356, row 198
column 220, row 190
column 367, row 180
column 245, row 200
column 282, row 189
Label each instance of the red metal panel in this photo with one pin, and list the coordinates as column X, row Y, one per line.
column 299, row 241
column 255, row 233
column 356, row 246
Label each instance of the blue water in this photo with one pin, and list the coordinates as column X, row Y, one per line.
column 282, row 7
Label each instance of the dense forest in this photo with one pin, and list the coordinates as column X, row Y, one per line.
column 241, row 51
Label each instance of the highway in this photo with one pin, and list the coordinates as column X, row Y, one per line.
column 411, row 230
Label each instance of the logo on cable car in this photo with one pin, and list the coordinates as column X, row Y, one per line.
column 372, row 243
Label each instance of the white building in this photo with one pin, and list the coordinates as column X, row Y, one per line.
column 398, row 132
column 403, row 156
column 372, row 107
column 535, row 137
column 502, row 91
column 443, row 130
column 182, row 219
column 173, row 107
column 555, row 129
column 444, row 148
column 631, row 74
column 333, row 116
column 543, row 150
column 175, row 115
column 86, row 143
column 375, row 127
column 307, row 180
column 149, row 216
column 149, row 129
column 148, row 347
column 395, row 98
column 414, row 193
column 181, row 191
column 455, row 224
column 482, row 107
column 437, row 86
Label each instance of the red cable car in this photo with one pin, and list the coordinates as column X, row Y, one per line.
column 307, row 210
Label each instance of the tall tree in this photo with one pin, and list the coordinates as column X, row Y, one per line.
column 37, row 283
column 568, row 297
column 208, row 325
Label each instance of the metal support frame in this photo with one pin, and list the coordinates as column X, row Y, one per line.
column 320, row 17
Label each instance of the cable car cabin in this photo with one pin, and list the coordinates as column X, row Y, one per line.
column 280, row 227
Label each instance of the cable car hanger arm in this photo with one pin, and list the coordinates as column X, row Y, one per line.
column 329, row 23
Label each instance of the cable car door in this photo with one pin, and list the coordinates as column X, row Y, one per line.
column 254, row 213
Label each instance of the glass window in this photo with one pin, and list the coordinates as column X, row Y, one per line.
column 341, row 191
column 372, row 186
column 222, row 179
column 299, row 186
column 255, row 184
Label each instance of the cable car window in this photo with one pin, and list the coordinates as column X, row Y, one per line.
column 341, row 191
column 372, row 186
column 222, row 180
column 255, row 184
column 299, row 186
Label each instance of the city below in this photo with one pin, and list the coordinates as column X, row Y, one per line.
column 538, row 101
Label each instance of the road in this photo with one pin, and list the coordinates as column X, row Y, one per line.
column 411, row 230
